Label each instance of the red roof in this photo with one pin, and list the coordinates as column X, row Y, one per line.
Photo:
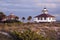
column 11, row 16
column 45, row 15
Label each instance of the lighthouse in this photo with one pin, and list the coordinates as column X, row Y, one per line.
column 44, row 17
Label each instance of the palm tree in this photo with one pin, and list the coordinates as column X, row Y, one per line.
column 23, row 18
column 29, row 18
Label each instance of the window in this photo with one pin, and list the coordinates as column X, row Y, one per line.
column 38, row 18
column 44, row 18
column 49, row 18
column 41, row 18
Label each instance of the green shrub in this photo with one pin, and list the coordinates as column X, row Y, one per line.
column 28, row 35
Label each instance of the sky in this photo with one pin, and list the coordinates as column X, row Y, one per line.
column 25, row 8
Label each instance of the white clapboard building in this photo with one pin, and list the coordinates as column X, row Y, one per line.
column 44, row 17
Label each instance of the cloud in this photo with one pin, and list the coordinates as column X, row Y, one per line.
column 48, row 5
column 29, row 7
column 57, row 15
column 53, row 0
column 28, row 3
column 47, row 1
column 20, row 5
column 15, row 9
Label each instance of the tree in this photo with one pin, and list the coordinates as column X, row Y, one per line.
column 23, row 18
column 2, row 16
column 29, row 18
column 16, row 18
